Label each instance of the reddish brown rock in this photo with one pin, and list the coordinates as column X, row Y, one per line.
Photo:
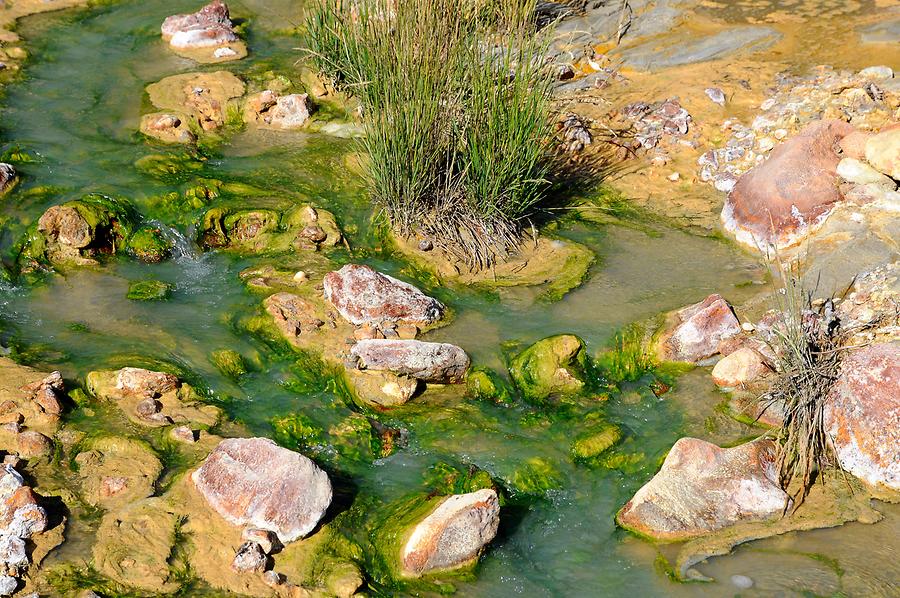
column 430, row 362
column 46, row 394
column 853, row 145
column 253, row 481
column 780, row 200
column 365, row 296
column 698, row 330
column 33, row 444
column 208, row 27
column 862, row 414
column 740, row 368
column 293, row 315
column 702, row 488
column 453, row 534
column 20, row 514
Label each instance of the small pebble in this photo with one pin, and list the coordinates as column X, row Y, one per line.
column 674, row 177
column 716, row 95
column 224, row 53
column 780, row 134
column 426, row 245
column 300, row 276
column 748, row 327
column 742, row 582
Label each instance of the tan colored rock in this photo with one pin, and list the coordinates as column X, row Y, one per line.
column 134, row 545
column 740, row 368
column 453, row 534
column 271, row 110
column 33, row 444
column 702, row 488
column 382, row 389
column 854, row 145
column 116, row 471
column 201, row 98
column 696, row 331
column 167, row 127
column 253, row 481
column 883, row 152
column 862, row 415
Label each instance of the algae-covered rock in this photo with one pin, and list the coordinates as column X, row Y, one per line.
column 254, row 481
column 453, row 534
column 268, row 229
column 149, row 245
column 427, row 535
column 148, row 290
column 552, row 366
column 355, row 438
column 230, row 363
column 134, row 545
column 170, row 167
column 486, row 384
column 152, row 399
column 596, row 441
column 115, row 471
column 536, row 477
column 195, row 103
column 378, row 388
column 78, row 231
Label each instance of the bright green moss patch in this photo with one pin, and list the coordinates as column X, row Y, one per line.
column 596, row 441
column 552, row 366
column 485, row 384
column 149, row 290
column 230, row 363
column 148, row 244
column 536, row 477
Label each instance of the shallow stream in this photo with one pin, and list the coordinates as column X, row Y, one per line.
column 76, row 108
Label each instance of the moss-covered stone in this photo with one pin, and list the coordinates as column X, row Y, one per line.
column 552, row 366
column 148, row 244
column 536, row 477
column 268, row 229
column 115, row 471
column 596, row 441
column 173, row 168
column 149, row 290
column 77, row 232
column 446, row 479
column 230, row 363
column 485, row 384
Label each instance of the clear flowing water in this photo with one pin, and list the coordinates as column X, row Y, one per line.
column 76, row 109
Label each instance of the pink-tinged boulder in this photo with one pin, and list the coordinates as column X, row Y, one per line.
column 271, row 110
column 702, row 488
column 453, row 534
column 883, row 152
column 854, row 145
column 442, row 363
column 740, row 368
column 782, row 199
column 862, row 415
column 143, row 382
column 253, row 481
column 208, row 27
column 363, row 295
column 698, row 330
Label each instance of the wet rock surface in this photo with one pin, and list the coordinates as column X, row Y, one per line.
column 363, row 295
column 430, row 362
column 209, row 30
column 453, row 534
column 862, row 415
column 697, row 331
column 254, row 481
column 702, row 488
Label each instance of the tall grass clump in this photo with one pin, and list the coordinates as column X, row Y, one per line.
column 809, row 342
column 456, row 106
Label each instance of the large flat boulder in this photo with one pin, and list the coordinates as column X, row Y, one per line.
column 442, row 363
column 702, row 488
column 779, row 201
column 453, row 534
column 862, row 415
column 253, row 481
column 363, row 295
column 696, row 331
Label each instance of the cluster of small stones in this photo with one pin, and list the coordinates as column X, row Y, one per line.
column 655, row 128
column 866, row 99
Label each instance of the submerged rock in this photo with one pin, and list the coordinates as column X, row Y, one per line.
column 702, row 488
column 253, row 481
column 115, row 471
column 782, row 199
column 192, row 104
column 698, row 330
column 269, row 230
column 430, row 362
column 363, row 295
column 8, row 177
column 453, row 534
column 862, row 415
column 551, row 366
